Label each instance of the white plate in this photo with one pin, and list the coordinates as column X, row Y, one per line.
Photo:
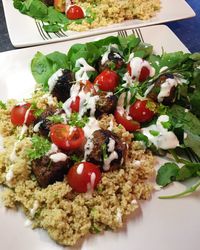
column 159, row 225
column 23, row 30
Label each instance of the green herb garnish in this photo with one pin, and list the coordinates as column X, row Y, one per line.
column 104, row 151
column 55, row 118
column 2, row 105
column 77, row 121
column 40, row 146
column 154, row 132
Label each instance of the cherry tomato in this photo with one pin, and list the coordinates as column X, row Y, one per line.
column 75, row 105
column 59, row 5
column 61, row 135
column 83, row 177
column 128, row 124
column 107, row 80
column 140, row 112
column 89, row 87
column 144, row 73
column 74, row 12
column 19, row 113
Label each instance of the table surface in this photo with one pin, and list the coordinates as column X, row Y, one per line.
column 187, row 30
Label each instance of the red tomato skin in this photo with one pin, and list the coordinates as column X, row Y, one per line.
column 107, row 80
column 59, row 5
column 89, row 87
column 18, row 113
column 74, row 12
column 129, row 125
column 75, row 105
column 79, row 181
column 61, row 136
column 140, row 112
column 144, row 73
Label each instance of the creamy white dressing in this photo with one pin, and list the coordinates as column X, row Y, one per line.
column 148, row 90
column 87, row 101
column 111, row 124
column 58, row 157
column 81, row 74
column 91, row 126
column 37, row 126
column 105, row 58
column 34, row 208
column 137, row 163
column 134, row 202
column 127, row 79
column 163, row 69
column 71, row 129
column 136, row 65
column 1, row 143
column 54, row 78
column 165, row 139
column 107, row 161
column 166, row 87
column 80, row 168
column 111, row 145
column 10, row 174
column 119, row 215
column 53, row 149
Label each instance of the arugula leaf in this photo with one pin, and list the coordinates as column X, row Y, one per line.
column 40, row 146
column 75, row 158
column 51, row 28
column 187, row 171
column 167, row 174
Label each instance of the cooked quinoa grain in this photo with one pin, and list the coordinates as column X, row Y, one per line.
column 106, row 12
column 67, row 216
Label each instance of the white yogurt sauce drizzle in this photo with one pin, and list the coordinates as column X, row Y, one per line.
column 53, row 149
column 80, row 168
column 54, row 78
column 58, row 157
column 165, row 139
column 81, row 74
column 34, row 208
column 136, row 64
column 107, row 161
column 37, row 126
column 166, row 87
column 105, row 58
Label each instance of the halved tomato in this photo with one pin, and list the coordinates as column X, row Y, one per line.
column 66, row 137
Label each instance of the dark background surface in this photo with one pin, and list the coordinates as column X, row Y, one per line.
column 187, row 30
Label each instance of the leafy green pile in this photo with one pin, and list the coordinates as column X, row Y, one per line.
column 54, row 21
column 184, row 114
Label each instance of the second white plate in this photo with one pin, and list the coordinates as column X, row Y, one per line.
column 25, row 31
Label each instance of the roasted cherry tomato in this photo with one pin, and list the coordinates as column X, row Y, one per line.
column 128, row 124
column 140, row 112
column 74, row 12
column 75, row 105
column 22, row 114
column 107, row 80
column 66, row 137
column 144, row 73
column 59, row 5
column 84, row 177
